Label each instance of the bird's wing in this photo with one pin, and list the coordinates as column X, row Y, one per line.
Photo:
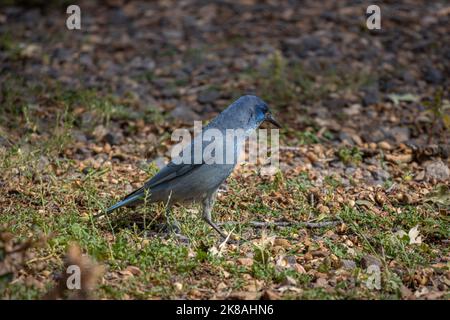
column 169, row 172
column 172, row 170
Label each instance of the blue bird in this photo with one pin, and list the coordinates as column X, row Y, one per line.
column 198, row 181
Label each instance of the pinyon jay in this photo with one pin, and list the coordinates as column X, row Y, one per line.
column 198, row 181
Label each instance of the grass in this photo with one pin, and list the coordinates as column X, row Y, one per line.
column 349, row 155
column 61, row 211
column 439, row 113
column 9, row 46
column 283, row 83
column 47, row 194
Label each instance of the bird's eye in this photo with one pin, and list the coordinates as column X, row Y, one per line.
column 263, row 108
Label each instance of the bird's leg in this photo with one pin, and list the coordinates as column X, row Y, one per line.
column 208, row 203
column 175, row 225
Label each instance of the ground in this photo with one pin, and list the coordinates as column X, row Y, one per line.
column 358, row 209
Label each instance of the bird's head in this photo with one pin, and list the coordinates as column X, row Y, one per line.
column 257, row 111
column 263, row 114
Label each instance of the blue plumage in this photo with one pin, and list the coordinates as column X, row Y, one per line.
column 189, row 182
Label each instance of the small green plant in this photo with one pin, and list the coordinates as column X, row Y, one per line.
column 276, row 84
column 439, row 113
column 9, row 46
column 349, row 155
column 332, row 181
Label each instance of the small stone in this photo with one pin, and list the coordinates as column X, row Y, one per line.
column 99, row 132
column 353, row 110
column 321, row 283
column 400, row 158
column 408, row 77
column 97, row 149
column 195, row 293
column 184, row 113
column 345, row 137
column 112, row 138
column 134, row 270
column 289, row 281
column 397, row 134
column 282, row 243
column 433, row 75
column 221, row 286
column 420, row 176
column 338, row 103
column 31, row 50
column 170, row 92
column 371, row 95
column 403, row 198
column 369, row 260
column 126, row 273
column 46, row 273
column 380, row 198
column 43, row 163
column 437, row 170
column 270, row 295
column 308, row 256
column 299, row 268
column 405, row 292
column 384, row 145
column 107, row 148
column 312, row 157
column 323, row 209
column 301, row 46
column 357, row 139
column 319, row 253
column 241, row 295
column 208, row 96
column 245, row 262
column 311, row 43
column 178, row 286
column 381, row 174
column 79, row 136
column 348, row 264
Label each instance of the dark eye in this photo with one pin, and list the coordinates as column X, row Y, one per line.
column 263, row 108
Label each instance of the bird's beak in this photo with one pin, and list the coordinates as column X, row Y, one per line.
column 270, row 118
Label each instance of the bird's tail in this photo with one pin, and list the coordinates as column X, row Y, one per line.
column 124, row 202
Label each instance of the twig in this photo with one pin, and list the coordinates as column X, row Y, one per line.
column 321, row 224
column 391, row 188
column 311, row 225
column 288, row 148
column 222, row 245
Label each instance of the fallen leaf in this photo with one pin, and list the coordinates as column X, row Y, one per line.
column 245, row 261
column 400, row 158
column 414, row 237
column 408, row 97
column 270, row 295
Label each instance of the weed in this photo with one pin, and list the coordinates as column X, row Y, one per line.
column 349, row 155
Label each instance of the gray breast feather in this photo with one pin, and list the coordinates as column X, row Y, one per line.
column 179, row 179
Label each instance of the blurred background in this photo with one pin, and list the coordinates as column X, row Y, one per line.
column 315, row 62
column 86, row 117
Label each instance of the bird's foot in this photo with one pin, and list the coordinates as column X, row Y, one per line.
column 231, row 239
column 182, row 238
column 235, row 242
column 171, row 228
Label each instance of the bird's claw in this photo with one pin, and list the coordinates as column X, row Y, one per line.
column 230, row 239
column 183, row 239
column 171, row 228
